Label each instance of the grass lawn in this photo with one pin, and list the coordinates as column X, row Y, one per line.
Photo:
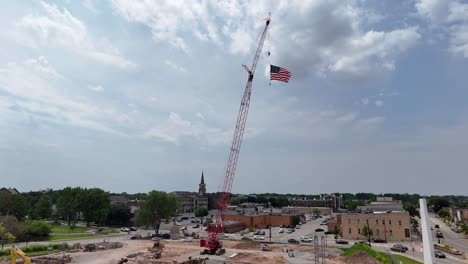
column 365, row 248
column 107, row 231
column 71, row 237
column 406, row 260
column 66, row 229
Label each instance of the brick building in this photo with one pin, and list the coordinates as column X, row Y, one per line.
column 393, row 226
column 264, row 220
column 383, row 204
column 326, row 200
column 461, row 214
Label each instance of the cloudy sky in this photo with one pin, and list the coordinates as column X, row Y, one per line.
column 140, row 95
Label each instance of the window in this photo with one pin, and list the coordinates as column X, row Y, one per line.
column 359, row 230
column 383, row 222
column 349, row 230
column 399, row 222
column 376, row 221
column 358, row 221
column 407, row 233
column 378, row 232
column 367, row 221
column 389, row 222
column 391, row 232
column 349, row 221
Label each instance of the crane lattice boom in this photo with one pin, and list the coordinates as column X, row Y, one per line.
column 213, row 239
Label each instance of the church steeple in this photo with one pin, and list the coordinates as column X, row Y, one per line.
column 202, row 186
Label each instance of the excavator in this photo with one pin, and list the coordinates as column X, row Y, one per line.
column 16, row 252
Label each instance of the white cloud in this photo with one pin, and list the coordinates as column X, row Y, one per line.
column 200, row 115
column 365, row 101
column 175, row 66
column 62, row 29
column 346, row 118
column 175, row 129
column 379, row 103
column 31, row 88
column 321, row 37
column 450, row 15
column 96, row 88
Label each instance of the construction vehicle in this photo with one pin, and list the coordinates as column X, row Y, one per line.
column 214, row 246
column 265, row 247
column 16, row 252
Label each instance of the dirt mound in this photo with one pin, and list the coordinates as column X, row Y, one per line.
column 359, row 257
column 244, row 257
column 254, row 245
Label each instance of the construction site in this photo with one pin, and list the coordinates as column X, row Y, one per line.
column 188, row 251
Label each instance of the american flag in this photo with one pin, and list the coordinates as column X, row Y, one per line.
column 279, row 74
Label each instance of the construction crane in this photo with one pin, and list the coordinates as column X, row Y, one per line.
column 16, row 252
column 213, row 243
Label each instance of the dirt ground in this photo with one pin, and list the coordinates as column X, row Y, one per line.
column 137, row 252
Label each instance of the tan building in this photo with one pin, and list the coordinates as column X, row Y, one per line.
column 191, row 201
column 394, row 226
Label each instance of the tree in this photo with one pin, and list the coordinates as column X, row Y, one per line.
column 5, row 237
column 438, row 203
column 43, row 207
column 119, row 214
column 68, row 203
column 201, row 212
column 336, row 231
column 316, row 211
column 464, row 228
column 155, row 207
column 411, row 209
column 443, row 213
column 367, row 232
column 94, row 204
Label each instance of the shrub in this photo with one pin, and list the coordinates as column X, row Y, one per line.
column 37, row 229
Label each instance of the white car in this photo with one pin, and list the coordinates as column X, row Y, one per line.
column 281, row 230
column 306, row 239
column 257, row 237
column 223, row 235
column 125, row 229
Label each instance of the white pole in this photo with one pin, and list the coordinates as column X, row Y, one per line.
column 428, row 245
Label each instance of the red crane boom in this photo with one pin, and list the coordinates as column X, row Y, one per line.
column 213, row 239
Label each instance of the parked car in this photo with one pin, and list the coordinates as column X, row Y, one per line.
column 361, row 242
column 135, row 237
column 195, row 221
column 378, row 240
column 259, row 232
column 257, row 237
column 281, row 230
column 165, row 235
column 183, row 228
column 397, row 248
column 196, row 226
column 343, row 242
column 293, row 241
column 306, row 239
column 405, row 248
column 133, row 228
column 223, row 235
column 298, row 227
column 323, row 223
column 456, row 229
column 436, row 226
column 184, row 218
column 125, row 229
column 439, row 234
column 319, row 230
column 439, row 254
column 246, row 238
